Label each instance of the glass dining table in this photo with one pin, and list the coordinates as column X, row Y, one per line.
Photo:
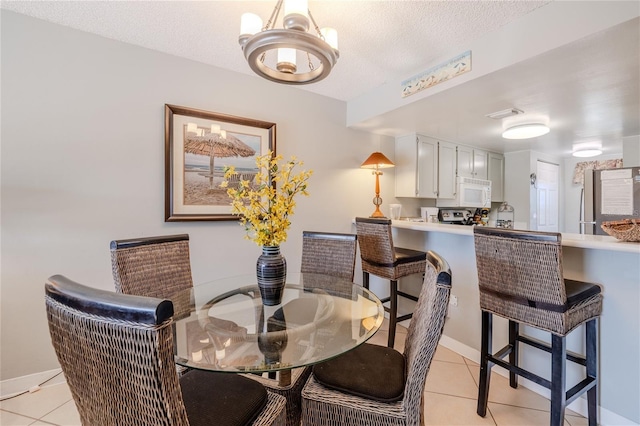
column 223, row 326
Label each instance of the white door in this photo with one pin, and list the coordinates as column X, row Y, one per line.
column 547, row 197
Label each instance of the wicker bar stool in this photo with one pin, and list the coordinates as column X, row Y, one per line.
column 381, row 258
column 116, row 352
column 324, row 253
column 520, row 279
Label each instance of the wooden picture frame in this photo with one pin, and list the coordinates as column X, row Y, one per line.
column 196, row 140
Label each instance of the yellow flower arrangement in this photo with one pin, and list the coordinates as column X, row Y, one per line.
column 266, row 203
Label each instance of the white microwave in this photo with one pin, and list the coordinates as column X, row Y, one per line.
column 470, row 192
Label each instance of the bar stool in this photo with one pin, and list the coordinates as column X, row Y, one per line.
column 520, row 279
column 381, row 258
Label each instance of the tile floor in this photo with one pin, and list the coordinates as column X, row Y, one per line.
column 450, row 398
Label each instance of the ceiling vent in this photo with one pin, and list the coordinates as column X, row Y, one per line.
column 499, row 115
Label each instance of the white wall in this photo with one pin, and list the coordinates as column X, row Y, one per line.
column 631, row 151
column 83, row 164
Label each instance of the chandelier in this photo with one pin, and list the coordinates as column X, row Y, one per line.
column 276, row 54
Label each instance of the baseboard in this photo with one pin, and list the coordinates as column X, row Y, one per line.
column 579, row 406
column 17, row 385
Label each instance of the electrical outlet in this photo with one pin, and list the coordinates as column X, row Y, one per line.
column 453, row 300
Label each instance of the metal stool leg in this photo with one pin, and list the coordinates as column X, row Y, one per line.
column 393, row 313
column 558, row 379
column 485, row 368
column 592, row 369
column 514, row 332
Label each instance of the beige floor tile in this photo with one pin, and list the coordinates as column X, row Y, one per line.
column 451, row 379
column 11, row 419
column 576, row 420
column 515, row 416
column 444, row 354
column 381, row 336
column 472, row 363
column 66, row 415
column 452, row 410
column 502, row 393
column 39, row 403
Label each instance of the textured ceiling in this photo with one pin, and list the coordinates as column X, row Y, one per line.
column 588, row 90
column 379, row 41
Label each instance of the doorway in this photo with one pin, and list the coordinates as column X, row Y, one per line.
column 547, row 196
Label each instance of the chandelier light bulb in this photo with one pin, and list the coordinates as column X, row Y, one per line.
column 330, row 36
column 296, row 15
column 215, row 129
column 250, row 24
column 287, row 60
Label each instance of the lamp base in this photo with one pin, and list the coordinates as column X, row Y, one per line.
column 377, row 213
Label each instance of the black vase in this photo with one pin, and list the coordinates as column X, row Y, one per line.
column 271, row 271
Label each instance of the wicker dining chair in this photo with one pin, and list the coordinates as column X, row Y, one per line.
column 329, row 254
column 324, row 253
column 377, row 385
column 116, row 352
column 521, row 279
column 157, row 266
column 381, row 258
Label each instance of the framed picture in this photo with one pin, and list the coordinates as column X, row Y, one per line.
column 198, row 146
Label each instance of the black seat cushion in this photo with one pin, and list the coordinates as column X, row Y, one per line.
column 577, row 291
column 403, row 255
column 222, row 399
column 370, row 371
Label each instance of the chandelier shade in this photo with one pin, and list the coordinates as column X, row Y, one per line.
column 289, row 55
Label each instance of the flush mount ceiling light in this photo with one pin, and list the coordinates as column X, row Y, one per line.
column 584, row 153
column 273, row 53
column 525, row 131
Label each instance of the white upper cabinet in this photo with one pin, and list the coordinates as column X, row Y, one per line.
column 416, row 168
column 472, row 163
column 425, row 167
column 495, row 173
column 446, row 170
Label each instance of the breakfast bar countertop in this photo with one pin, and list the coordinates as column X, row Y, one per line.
column 598, row 242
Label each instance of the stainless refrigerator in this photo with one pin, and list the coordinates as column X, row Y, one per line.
column 609, row 195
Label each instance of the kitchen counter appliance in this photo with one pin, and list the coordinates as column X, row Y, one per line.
column 456, row 216
column 609, row 195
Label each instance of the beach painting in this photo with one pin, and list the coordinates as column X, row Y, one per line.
column 198, row 146
column 438, row 74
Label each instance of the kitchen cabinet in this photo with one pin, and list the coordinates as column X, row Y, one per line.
column 425, row 167
column 416, row 159
column 471, row 162
column 495, row 173
column 446, row 170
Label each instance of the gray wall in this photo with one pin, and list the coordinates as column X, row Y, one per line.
column 83, row 164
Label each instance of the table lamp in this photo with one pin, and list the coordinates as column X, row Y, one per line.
column 377, row 161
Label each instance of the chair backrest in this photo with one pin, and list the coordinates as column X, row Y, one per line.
column 116, row 352
column 375, row 240
column 425, row 329
column 519, row 270
column 153, row 267
column 329, row 253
